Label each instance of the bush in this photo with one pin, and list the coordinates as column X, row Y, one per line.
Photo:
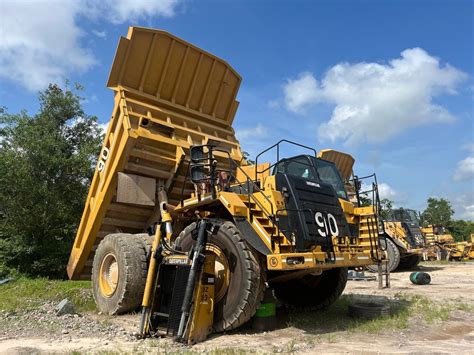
column 46, row 164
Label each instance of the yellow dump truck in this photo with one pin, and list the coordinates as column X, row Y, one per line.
column 403, row 233
column 178, row 223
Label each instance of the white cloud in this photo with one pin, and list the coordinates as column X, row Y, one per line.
column 252, row 133
column 464, row 170
column 468, row 212
column 121, row 11
column 463, row 204
column 40, row 41
column 273, row 104
column 373, row 102
column 302, row 92
column 386, row 191
column 469, row 147
column 100, row 34
column 103, row 127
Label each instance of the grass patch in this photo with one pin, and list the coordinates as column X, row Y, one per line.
column 336, row 318
column 25, row 294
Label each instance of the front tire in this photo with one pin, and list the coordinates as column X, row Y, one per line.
column 119, row 273
column 392, row 254
column 239, row 275
column 312, row 292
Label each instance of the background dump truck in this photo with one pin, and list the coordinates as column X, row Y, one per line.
column 405, row 242
column 287, row 223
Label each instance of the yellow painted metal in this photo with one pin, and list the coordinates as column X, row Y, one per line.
column 169, row 95
column 344, row 162
column 263, row 170
column 234, row 204
column 154, row 65
column 471, row 250
column 439, row 242
column 395, row 230
column 459, row 250
column 150, row 277
column 108, row 275
column 269, row 183
column 436, row 234
column 316, row 260
column 220, row 269
column 206, row 296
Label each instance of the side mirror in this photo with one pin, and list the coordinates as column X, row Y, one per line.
column 198, row 173
column 197, row 154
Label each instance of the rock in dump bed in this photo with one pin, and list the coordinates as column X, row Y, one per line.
column 169, row 95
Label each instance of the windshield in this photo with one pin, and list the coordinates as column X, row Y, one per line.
column 405, row 215
column 299, row 166
column 328, row 173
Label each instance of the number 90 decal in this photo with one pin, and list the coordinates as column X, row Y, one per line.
column 104, row 155
column 327, row 226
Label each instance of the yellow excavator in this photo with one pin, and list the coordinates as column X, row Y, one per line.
column 179, row 225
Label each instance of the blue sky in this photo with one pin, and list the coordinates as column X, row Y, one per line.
column 391, row 82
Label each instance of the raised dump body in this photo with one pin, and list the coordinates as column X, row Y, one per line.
column 169, row 95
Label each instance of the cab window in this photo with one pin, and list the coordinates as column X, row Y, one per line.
column 299, row 167
column 329, row 174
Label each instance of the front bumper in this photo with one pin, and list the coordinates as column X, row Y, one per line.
column 317, row 260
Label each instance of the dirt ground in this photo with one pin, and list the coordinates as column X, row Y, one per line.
column 95, row 333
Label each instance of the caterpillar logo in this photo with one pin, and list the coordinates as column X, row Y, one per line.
column 327, row 224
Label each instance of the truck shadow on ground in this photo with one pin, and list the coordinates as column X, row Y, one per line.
column 425, row 268
column 413, row 269
column 335, row 318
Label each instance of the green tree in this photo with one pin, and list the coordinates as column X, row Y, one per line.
column 46, row 164
column 438, row 211
column 461, row 230
column 364, row 200
column 246, row 156
column 386, row 208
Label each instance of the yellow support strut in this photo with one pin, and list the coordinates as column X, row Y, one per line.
column 151, row 275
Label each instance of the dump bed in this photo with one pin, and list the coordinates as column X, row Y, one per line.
column 169, row 95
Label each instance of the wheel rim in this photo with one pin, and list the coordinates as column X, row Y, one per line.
column 221, row 271
column 108, row 275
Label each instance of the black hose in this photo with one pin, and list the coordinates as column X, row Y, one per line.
column 198, row 259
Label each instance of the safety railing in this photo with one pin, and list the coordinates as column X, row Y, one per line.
column 276, row 147
column 375, row 225
column 251, row 186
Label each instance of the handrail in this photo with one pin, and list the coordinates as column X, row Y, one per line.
column 248, row 181
column 277, row 145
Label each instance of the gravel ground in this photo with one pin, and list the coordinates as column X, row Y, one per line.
column 40, row 330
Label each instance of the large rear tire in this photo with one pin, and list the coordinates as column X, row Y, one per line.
column 239, row 275
column 119, row 273
column 312, row 292
column 392, row 254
